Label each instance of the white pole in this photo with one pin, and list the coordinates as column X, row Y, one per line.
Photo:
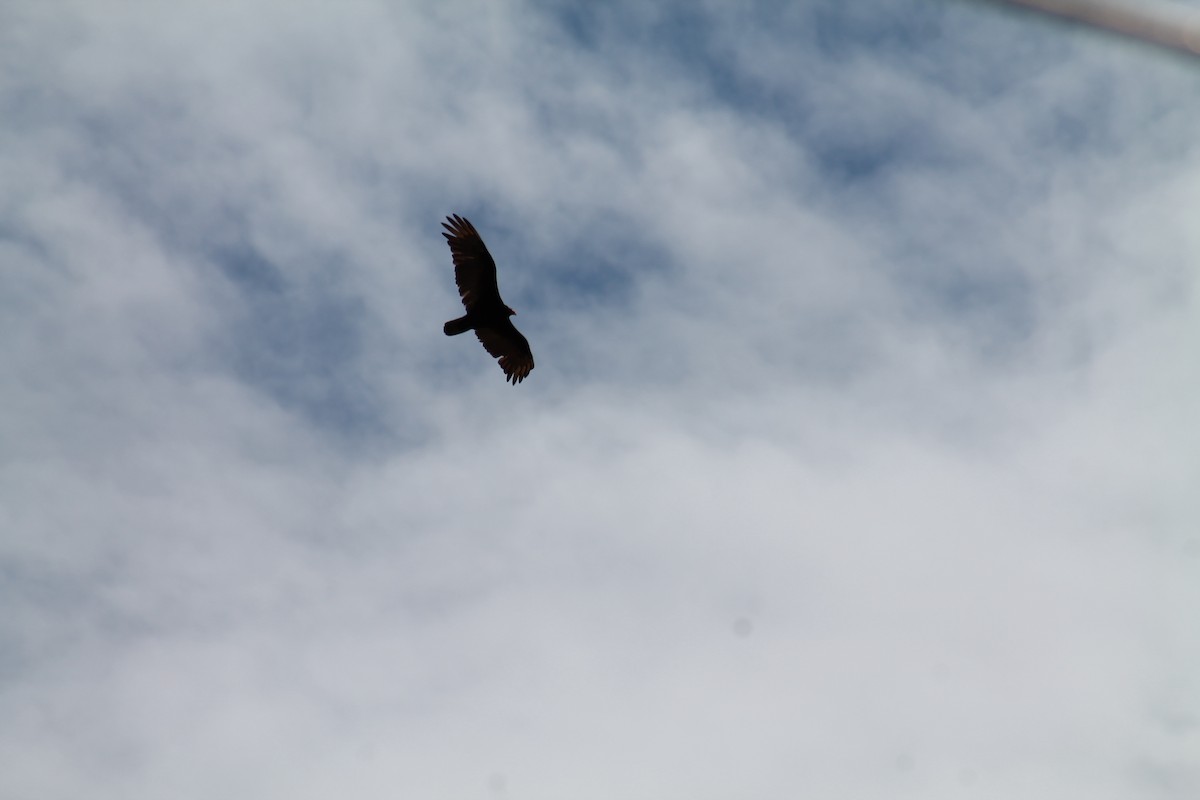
column 1170, row 25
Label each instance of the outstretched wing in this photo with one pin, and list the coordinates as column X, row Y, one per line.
column 505, row 342
column 474, row 269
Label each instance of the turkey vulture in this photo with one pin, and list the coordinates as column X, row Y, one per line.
column 487, row 315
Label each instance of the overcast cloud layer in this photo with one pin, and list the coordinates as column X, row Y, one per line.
column 860, row 459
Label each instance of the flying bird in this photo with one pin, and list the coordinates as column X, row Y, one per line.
column 487, row 315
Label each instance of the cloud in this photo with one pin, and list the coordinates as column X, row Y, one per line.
column 857, row 461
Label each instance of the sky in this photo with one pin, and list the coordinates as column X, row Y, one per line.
column 859, row 460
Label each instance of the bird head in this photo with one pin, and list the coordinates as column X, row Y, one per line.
column 511, row 313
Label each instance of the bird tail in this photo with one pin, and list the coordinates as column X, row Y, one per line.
column 456, row 326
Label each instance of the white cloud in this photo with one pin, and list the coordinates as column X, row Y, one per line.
column 857, row 461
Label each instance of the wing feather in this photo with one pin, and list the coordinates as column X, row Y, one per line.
column 505, row 342
column 474, row 269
